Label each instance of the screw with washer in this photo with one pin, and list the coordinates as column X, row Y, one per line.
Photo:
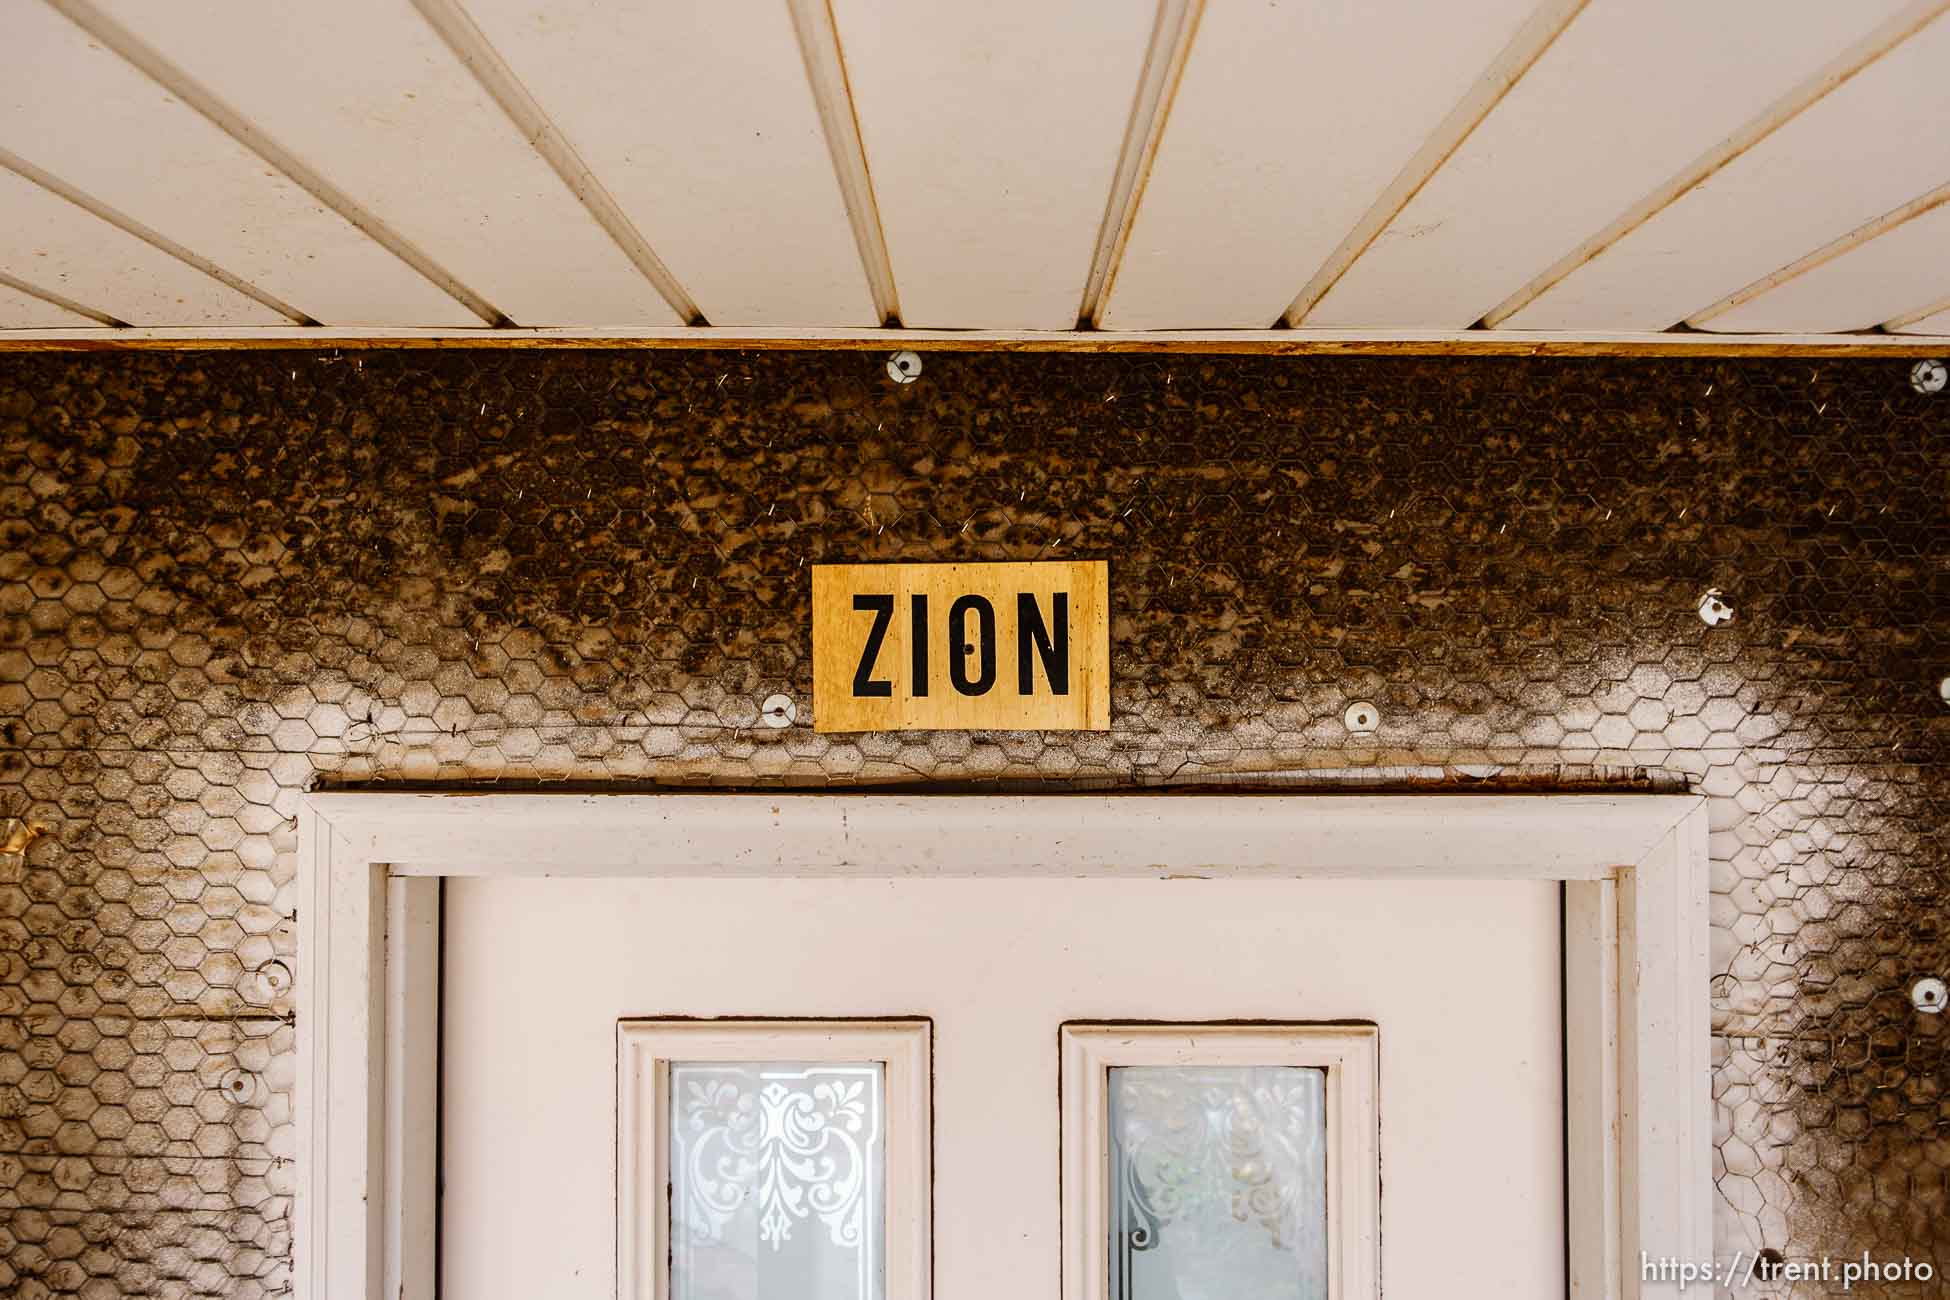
column 1712, row 610
column 778, row 711
column 266, row 983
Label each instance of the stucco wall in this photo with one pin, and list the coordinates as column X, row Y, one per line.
column 226, row 576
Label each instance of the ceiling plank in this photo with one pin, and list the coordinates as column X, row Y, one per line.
column 1871, row 275
column 1578, row 141
column 992, row 132
column 49, row 242
column 1936, row 324
column 819, row 42
column 148, row 234
column 369, row 94
column 696, row 116
column 1869, row 146
column 478, row 56
column 73, row 106
column 1164, row 68
column 1277, row 144
column 20, row 310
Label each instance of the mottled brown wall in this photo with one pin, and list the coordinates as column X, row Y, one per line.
column 224, row 576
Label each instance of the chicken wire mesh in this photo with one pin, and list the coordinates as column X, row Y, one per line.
column 226, row 576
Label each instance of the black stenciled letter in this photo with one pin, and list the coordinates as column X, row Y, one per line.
column 864, row 685
column 917, row 641
column 960, row 647
column 1054, row 651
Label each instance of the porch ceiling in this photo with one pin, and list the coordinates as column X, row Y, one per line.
column 1501, row 171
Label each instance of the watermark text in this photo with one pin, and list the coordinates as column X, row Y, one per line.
column 1768, row 1268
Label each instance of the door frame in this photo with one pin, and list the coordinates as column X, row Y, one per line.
column 1637, row 1025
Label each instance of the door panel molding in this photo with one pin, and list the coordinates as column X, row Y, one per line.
column 1637, row 1049
column 646, row 1049
column 1349, row 1055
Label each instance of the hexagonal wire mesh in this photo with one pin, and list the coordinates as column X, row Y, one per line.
column 226, row 576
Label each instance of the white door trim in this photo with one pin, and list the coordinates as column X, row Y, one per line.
column 1638, row 1060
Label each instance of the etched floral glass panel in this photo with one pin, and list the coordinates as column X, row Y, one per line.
column 778, row 1175
column 1218, row 1183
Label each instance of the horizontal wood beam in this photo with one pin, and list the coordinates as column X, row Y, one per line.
column 1274, row 342
column 1556, row 837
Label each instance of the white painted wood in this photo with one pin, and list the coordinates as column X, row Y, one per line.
column 819, row 42
column 1157, row 90
column 463, row 36
column 1348, row 1054
column 1906, row 22
column 173, row 79
column 1164, row 66
column 1908, row 318
column 345, row 163
column 358, row 1137
column 992, row 133
column 740, row 201
column 1030, row 835
column 1166, row 343
column 412, row 1084
column 1865, row 148
column 539, row 971
column 1578, row 140
column 25, row 311
column 1538, row 32
column 645, row 1050
column 322, row 1036
column 1937, row 323
column 1244, row 200
column 1875, row 280
column 342, row 1210
column 367, row 92
column 1592, row 1125
column 55, row 185
column 78, row 110
column 1665, row 1057
column 1665, row 1152
column 49, row 242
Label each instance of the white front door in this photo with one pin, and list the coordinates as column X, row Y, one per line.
column 1457, row 981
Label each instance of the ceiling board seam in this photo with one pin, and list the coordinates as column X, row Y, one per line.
column 1157, row 90
column 1828, row 252
column 839, row 119
column 1532, row 39
column 472, row 47
column 60, row 300
column 150, row 62
column 128, row 225
column 1910, row 318
column 1797, row 100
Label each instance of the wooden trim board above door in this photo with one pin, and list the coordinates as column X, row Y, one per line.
column 1636, row 959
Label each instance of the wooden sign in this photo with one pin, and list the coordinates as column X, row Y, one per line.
column 961, row 647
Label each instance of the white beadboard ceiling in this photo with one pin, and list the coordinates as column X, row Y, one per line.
column 1260, row 170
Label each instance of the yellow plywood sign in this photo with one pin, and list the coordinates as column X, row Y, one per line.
column 961, row 647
